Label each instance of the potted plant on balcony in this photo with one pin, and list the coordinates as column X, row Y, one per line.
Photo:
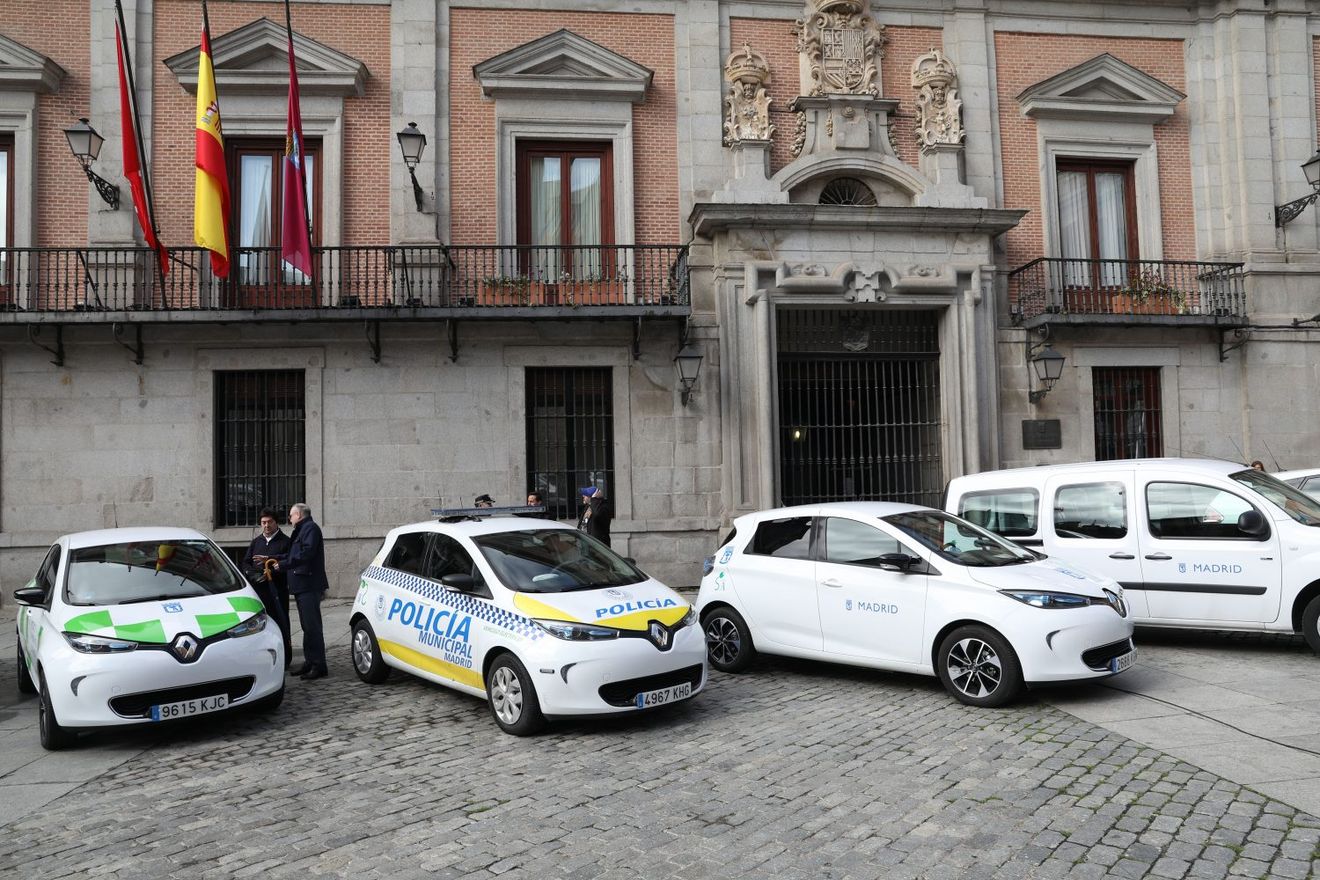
column 593, row 289
column 1147, row 293
column 510, row 290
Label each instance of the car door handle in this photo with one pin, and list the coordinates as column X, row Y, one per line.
column 831, row 583
column 1121, row 556
column 1159, row 557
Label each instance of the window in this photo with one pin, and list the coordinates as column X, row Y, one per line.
column 50, row 566
column 847, row 192
column 6, row 210
column 1097, row 221
column 565, row 198
column 259, row 443
column 409, row 553
column 849, row 542
column 256, row 183
column 1007, row 512
column 1128, row 422
column 449, row 557
column 570, row 435
column 1190, row 510
column 1091, row 510
column 786, row 538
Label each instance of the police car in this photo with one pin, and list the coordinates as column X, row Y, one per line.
column 538, row 618
column 134, row 626
column 906, row 588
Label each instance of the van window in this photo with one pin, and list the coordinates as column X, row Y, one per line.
column 1191, row 510
column 1007, row 512
column 1300, row 505
column 1091, row 510
column 786, row 538
column 849, row 542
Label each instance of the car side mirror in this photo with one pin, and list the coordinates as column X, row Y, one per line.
column 630, row 560
column 1252, row 523
column 30, row 596
column 897, row 562
column 458, row 583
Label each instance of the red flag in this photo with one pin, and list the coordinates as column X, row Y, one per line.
column 133, row 154
column 295, row 234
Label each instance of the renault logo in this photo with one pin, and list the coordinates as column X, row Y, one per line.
column 185, row 647
column 659, row 635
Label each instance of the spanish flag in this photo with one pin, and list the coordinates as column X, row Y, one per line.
column 211, row 203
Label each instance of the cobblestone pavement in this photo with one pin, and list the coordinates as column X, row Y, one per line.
column 794, row 770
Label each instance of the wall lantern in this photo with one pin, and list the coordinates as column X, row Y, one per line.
column 1048, row 365
column 413, row 143
column 688, row 364
column 86, row 146
column 1285, row 213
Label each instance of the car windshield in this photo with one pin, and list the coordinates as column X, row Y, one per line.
column 1289, row 499
column 959, row 541
column 145, row 571
column 555, row 561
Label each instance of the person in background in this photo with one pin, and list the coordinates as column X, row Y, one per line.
column 597, row 512
column 1258, row 465
column 305, row 565
column 274, row 593
column 483, row 501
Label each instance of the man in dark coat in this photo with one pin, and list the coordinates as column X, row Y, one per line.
column 305, row 566
column 274, row 593
column 597, row 512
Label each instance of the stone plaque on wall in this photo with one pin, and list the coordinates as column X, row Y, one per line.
column 1042, row 434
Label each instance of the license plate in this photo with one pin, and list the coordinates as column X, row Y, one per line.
column 1118, row 664
column 664, row 695
column 187, row 708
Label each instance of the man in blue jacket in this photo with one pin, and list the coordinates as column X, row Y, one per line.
column 305, row 565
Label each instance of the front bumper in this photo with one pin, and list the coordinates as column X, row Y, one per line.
column 1051, row 643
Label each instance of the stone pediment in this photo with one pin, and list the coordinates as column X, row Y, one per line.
column 24, row 70
column 1102, row 88
column 563, row 65
column 254, row 59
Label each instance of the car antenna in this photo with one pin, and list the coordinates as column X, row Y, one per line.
column 1239, row 450
column 1271, row 452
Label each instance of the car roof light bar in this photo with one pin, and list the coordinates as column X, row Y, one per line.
column 454, row 514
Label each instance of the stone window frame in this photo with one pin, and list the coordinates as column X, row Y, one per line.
column 24, row 74
column 1167, row 359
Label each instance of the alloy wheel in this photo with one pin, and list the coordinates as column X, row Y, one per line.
column 363, row 656
column 507, row 695
column 975, row 668
column 722, row 640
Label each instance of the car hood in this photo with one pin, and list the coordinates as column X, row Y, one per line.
column 159, row 621
column 1046, row 574
column 632, row 607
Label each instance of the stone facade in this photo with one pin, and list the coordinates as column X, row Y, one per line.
column 1181, row 93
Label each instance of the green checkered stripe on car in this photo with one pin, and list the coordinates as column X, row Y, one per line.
column 102, row 623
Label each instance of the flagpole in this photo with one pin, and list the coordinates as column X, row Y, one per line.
column 137, row 127
column 228, row 222
column 302, row 157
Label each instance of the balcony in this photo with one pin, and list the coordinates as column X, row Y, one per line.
column 1128, row 292
column 373, row 283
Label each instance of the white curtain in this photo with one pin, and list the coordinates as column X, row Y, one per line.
column 586, row 195
column 4, row 216
column 254, row 210
column 1111, row 216
column 545, row 185
column 1074, row 228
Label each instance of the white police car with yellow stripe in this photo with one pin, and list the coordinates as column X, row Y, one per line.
column 541, row 620
column 132, row 626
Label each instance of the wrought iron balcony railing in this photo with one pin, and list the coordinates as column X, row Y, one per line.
column 1109, row 290
column 375, row 278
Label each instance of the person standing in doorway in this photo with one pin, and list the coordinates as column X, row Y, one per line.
column 597, row 512
column 305, row 565
column 274, row 592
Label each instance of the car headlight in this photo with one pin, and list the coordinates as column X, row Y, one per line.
column 689, row 618
column 253, row 625
column 577, row 632
column 85, row 644
column 1043, row 599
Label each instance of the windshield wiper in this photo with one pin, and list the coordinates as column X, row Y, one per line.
column 165, row 598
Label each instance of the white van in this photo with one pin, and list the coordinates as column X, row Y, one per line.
column 1195, row 543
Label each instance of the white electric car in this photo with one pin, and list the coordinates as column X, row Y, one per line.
column 906, row 588
column 541, row 620
column 134, row 626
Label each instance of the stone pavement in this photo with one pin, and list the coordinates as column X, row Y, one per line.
column 794, row 770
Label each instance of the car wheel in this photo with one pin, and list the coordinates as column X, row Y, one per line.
column 367, row 661
column 1311, row 624
column 53, row 736
column 269, row 703
column 25, row 685
column 728, row 641
column 978, row 667
column 512, row 697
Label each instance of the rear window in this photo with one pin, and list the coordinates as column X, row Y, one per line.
column 145, row 571
column 1091, row 510
column 788, row 538
column 408, row 553
column 1007, row 512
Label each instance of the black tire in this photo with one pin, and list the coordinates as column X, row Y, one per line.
column 729, row 645
column 978, row 667
column 512, row 697
column 1311, row 624
column 25, row 684
column 268, row 703
column 367, row 660
column 54, row 737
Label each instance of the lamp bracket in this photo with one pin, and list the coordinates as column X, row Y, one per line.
column 117, row 328
column 1034, row 348
column 1240, row 334
column 418, row 195
column 108, row 191
column 1288, row 212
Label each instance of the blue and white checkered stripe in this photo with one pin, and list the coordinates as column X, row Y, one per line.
column 433, row 592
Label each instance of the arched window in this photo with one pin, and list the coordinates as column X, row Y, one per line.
column 847, row 191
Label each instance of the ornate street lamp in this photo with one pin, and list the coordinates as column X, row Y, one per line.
column 1311, row 168
column 86, row 146
column 1048, row 365
column 688, row 364
column 413, row 143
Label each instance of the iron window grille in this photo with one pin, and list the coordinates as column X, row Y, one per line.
column 570, row 435
column 260, row 443
column 1128, row 414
